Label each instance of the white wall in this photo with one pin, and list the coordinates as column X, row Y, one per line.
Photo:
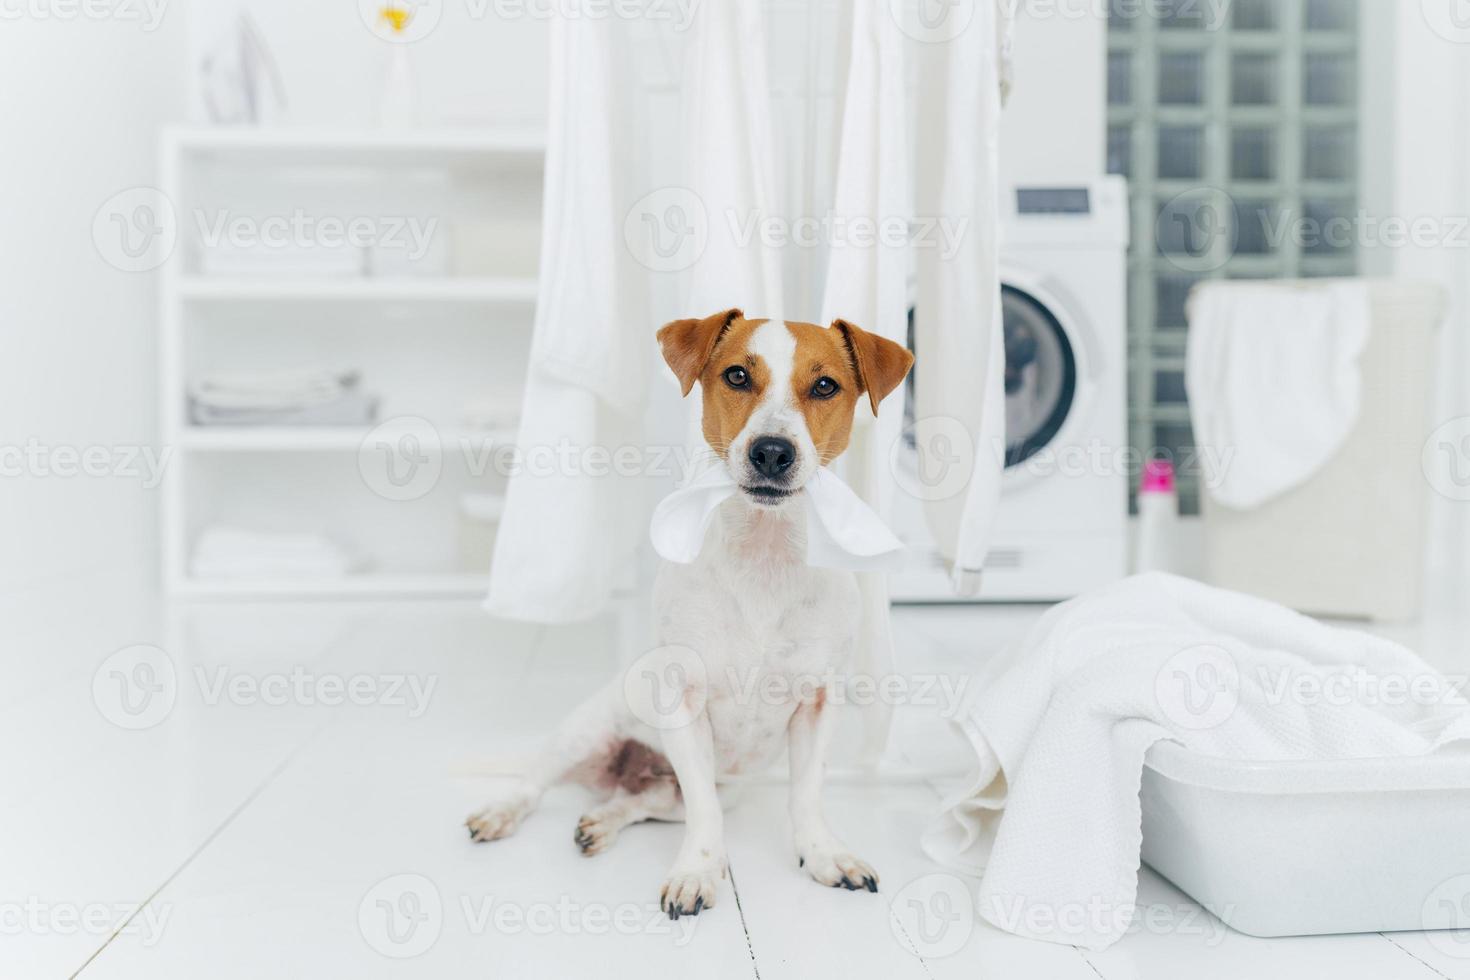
column 1055, row 126
column 81, row 101
column 482, row 61
column 1422, row 170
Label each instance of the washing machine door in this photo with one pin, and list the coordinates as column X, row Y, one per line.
column 1040, row 374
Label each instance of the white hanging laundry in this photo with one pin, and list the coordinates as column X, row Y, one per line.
column 729, row 162
column 566, row 537
column 561, row 545
column 841, row 531
column 1005, row 45
column 867, row 279
column 867, row 284
column 959, row 355
column 1273, row 381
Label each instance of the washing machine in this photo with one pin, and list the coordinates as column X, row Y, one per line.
column 1062, row 526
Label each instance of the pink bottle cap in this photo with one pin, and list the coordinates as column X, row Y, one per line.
column 1158, row 477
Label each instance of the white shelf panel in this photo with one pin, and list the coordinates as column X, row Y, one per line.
column 308, row 439
column 353, row 586
column 419, row 147
column 354, row 290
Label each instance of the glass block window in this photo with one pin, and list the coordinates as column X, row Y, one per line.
column 1235, row 122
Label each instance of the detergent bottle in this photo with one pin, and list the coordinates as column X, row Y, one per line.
column 1158, row 519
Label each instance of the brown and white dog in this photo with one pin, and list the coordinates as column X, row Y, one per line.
column 779, row 399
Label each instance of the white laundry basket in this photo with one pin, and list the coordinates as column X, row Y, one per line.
column 1309, row 848
column 1350, row 541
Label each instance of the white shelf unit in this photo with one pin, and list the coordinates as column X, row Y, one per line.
column 510, row 289
column 296, row 438
column 427, row 343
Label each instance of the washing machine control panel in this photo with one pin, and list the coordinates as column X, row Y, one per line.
column 1053, row 200
column 1065, row 215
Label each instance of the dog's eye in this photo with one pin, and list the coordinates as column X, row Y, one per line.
column 824, row 387
column 737, row 377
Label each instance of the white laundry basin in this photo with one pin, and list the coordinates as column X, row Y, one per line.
column 1307, row 848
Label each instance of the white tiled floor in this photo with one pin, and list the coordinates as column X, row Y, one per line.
column 262, row 836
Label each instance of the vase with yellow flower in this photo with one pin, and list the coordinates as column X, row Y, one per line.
column 398, row 106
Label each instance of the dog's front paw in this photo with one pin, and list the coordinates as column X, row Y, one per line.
column 839, row 870
column 688, row 891
column 499, row 819
column 595, row 834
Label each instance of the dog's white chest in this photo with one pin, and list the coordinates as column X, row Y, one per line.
column 770, row 632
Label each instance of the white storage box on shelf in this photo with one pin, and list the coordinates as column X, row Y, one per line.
column 1311, row 848
column 1350, row 541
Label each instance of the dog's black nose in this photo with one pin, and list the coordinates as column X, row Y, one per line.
column 772, row 456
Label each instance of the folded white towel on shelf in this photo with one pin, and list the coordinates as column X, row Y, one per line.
column 230, row 552
column 1061, row 723
column 1273, row 381
column 275, row 390
column 281, row 398
column 282, row 259
column 841, row 530
column 352, row 408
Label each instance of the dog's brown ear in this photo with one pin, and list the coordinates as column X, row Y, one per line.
column 688, row 344
column 881, row 364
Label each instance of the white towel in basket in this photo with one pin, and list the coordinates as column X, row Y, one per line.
column 1273, row 381
column 1062, row 721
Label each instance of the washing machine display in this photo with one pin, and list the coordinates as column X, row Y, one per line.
column 1040, row 375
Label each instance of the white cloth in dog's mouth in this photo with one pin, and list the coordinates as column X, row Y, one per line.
column 841, row 530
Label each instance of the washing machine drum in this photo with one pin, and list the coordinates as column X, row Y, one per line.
column 1040, row 376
